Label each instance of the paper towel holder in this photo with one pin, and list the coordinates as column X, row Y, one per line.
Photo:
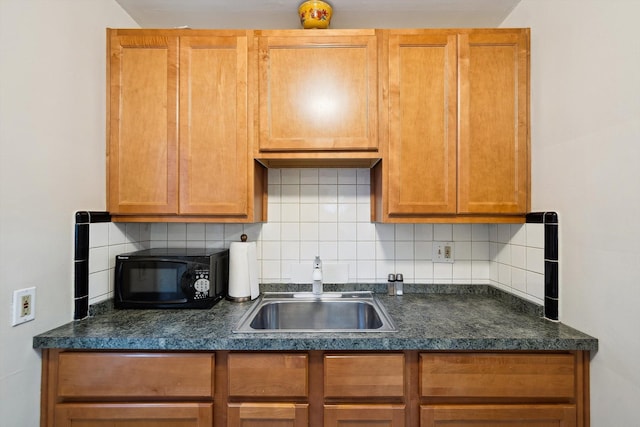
column 243, row 281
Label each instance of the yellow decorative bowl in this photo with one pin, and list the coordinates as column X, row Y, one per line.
column 315, row 14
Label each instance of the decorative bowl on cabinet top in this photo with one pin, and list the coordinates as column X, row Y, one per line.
column 315, row 14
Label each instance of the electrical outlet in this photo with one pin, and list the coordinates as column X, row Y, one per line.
column 24, row 305
column 443, row 252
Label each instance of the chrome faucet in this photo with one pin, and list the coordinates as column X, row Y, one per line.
column 317, row 276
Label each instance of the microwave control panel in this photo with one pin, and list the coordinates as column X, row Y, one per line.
column 201, row 284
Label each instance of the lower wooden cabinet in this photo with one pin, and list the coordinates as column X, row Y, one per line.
column 134, row 414
column 381, row 415
column 315, row 389
column 268, row 415
column 498, row 415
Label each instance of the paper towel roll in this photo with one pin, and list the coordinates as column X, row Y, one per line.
column 243, row 271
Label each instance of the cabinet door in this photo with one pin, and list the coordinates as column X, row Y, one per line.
column 379, row 415
column 498, row 415
column 268, row 415
column 134, row 415
column 422, row 123
column 318, row 92
column 493, row 163
column 214, row 148
column 142, row 128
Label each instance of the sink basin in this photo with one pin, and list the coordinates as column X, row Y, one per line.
column 306, row 312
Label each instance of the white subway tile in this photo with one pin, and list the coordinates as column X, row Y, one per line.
column 289, row 193
column 290, row 231
column 271, row 251
column 535, row 284
column 519, row 257
column 328, row 193
column 309, row 231
column 309, row 176
column 309, row 194
column 366, row 270
column 423, row 250
column 535, row 260
column 404, row 232
column 480, row 251
column 423, row 232
column 327, row 231
column 214, row 232
column 366, row 231
column 273, row 175
column 309, row 212
column 385, row 232
column 480, row 232
column 462, row 250
column 366, row 250
column 347, row 212
column 518, row 234
column 461, row 232
column 347, row 251
column 347, row 176
column 290, row 176
column 98, row 234
column 404, row 250
column 363, row 176
column 290, row 250
column 176, row 231
column 385, row 249
column 462, row 271
column 519, row 279
column 232, row 232
column 535, row 235
column 328, row 251
column 290, row 212
column 98, row 259
column 443, row 232
column 328, row 176
column 423, row 271
column 196, row 231
column 347, row 231
column 347, row 194
column 328, row 212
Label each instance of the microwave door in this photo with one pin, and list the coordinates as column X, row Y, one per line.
column 153, row 281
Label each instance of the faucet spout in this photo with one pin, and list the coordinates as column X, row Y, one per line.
column 317, row 276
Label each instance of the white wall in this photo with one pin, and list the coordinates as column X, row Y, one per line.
column 52, row 136
column 585, row 86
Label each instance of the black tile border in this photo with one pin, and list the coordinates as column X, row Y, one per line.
column 551, row 260
column 81, row 259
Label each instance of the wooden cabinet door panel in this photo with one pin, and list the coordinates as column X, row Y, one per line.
column 142, row 124
column 498, row 415
column 318, row 93
column 134, row 415
column 493, row 163
column 378, row 415
column 422, row 123
column 374, row 375
column 498, row 375
column 134, row 375
column 268, row 375
column 268, row 415
column 214, row 148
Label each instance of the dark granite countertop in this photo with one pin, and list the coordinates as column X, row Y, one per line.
column 434, row 318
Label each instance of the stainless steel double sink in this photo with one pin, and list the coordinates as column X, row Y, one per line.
column 307, row 312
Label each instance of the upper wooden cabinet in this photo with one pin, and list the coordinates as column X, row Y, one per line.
column 456, row 146
column 178, row 127
column 318, row 96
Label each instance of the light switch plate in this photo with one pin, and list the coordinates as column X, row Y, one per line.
column 443, row 252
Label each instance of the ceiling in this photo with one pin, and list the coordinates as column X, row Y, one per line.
column 272, row 14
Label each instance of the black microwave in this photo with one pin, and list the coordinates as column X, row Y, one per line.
column 171, row 278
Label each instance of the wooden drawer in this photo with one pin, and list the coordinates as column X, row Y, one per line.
column 370, row 375
column 498, row 415
column 502, row 375
column 135, row 375
column 268, row 375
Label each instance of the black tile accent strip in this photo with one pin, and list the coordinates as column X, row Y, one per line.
column 535, row 218
column 81, row 308
column 551, row 308
column 81, row 251
column 551, row 242
column 81, row 279
column 550, row 218
column 551, row 264
column 81, row 259
column 551, row 279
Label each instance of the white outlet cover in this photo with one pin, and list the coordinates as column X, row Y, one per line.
column 17, row 306
column 440, row 252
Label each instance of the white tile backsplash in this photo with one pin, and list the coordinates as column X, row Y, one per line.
column 106, row 240
column 326, row 212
